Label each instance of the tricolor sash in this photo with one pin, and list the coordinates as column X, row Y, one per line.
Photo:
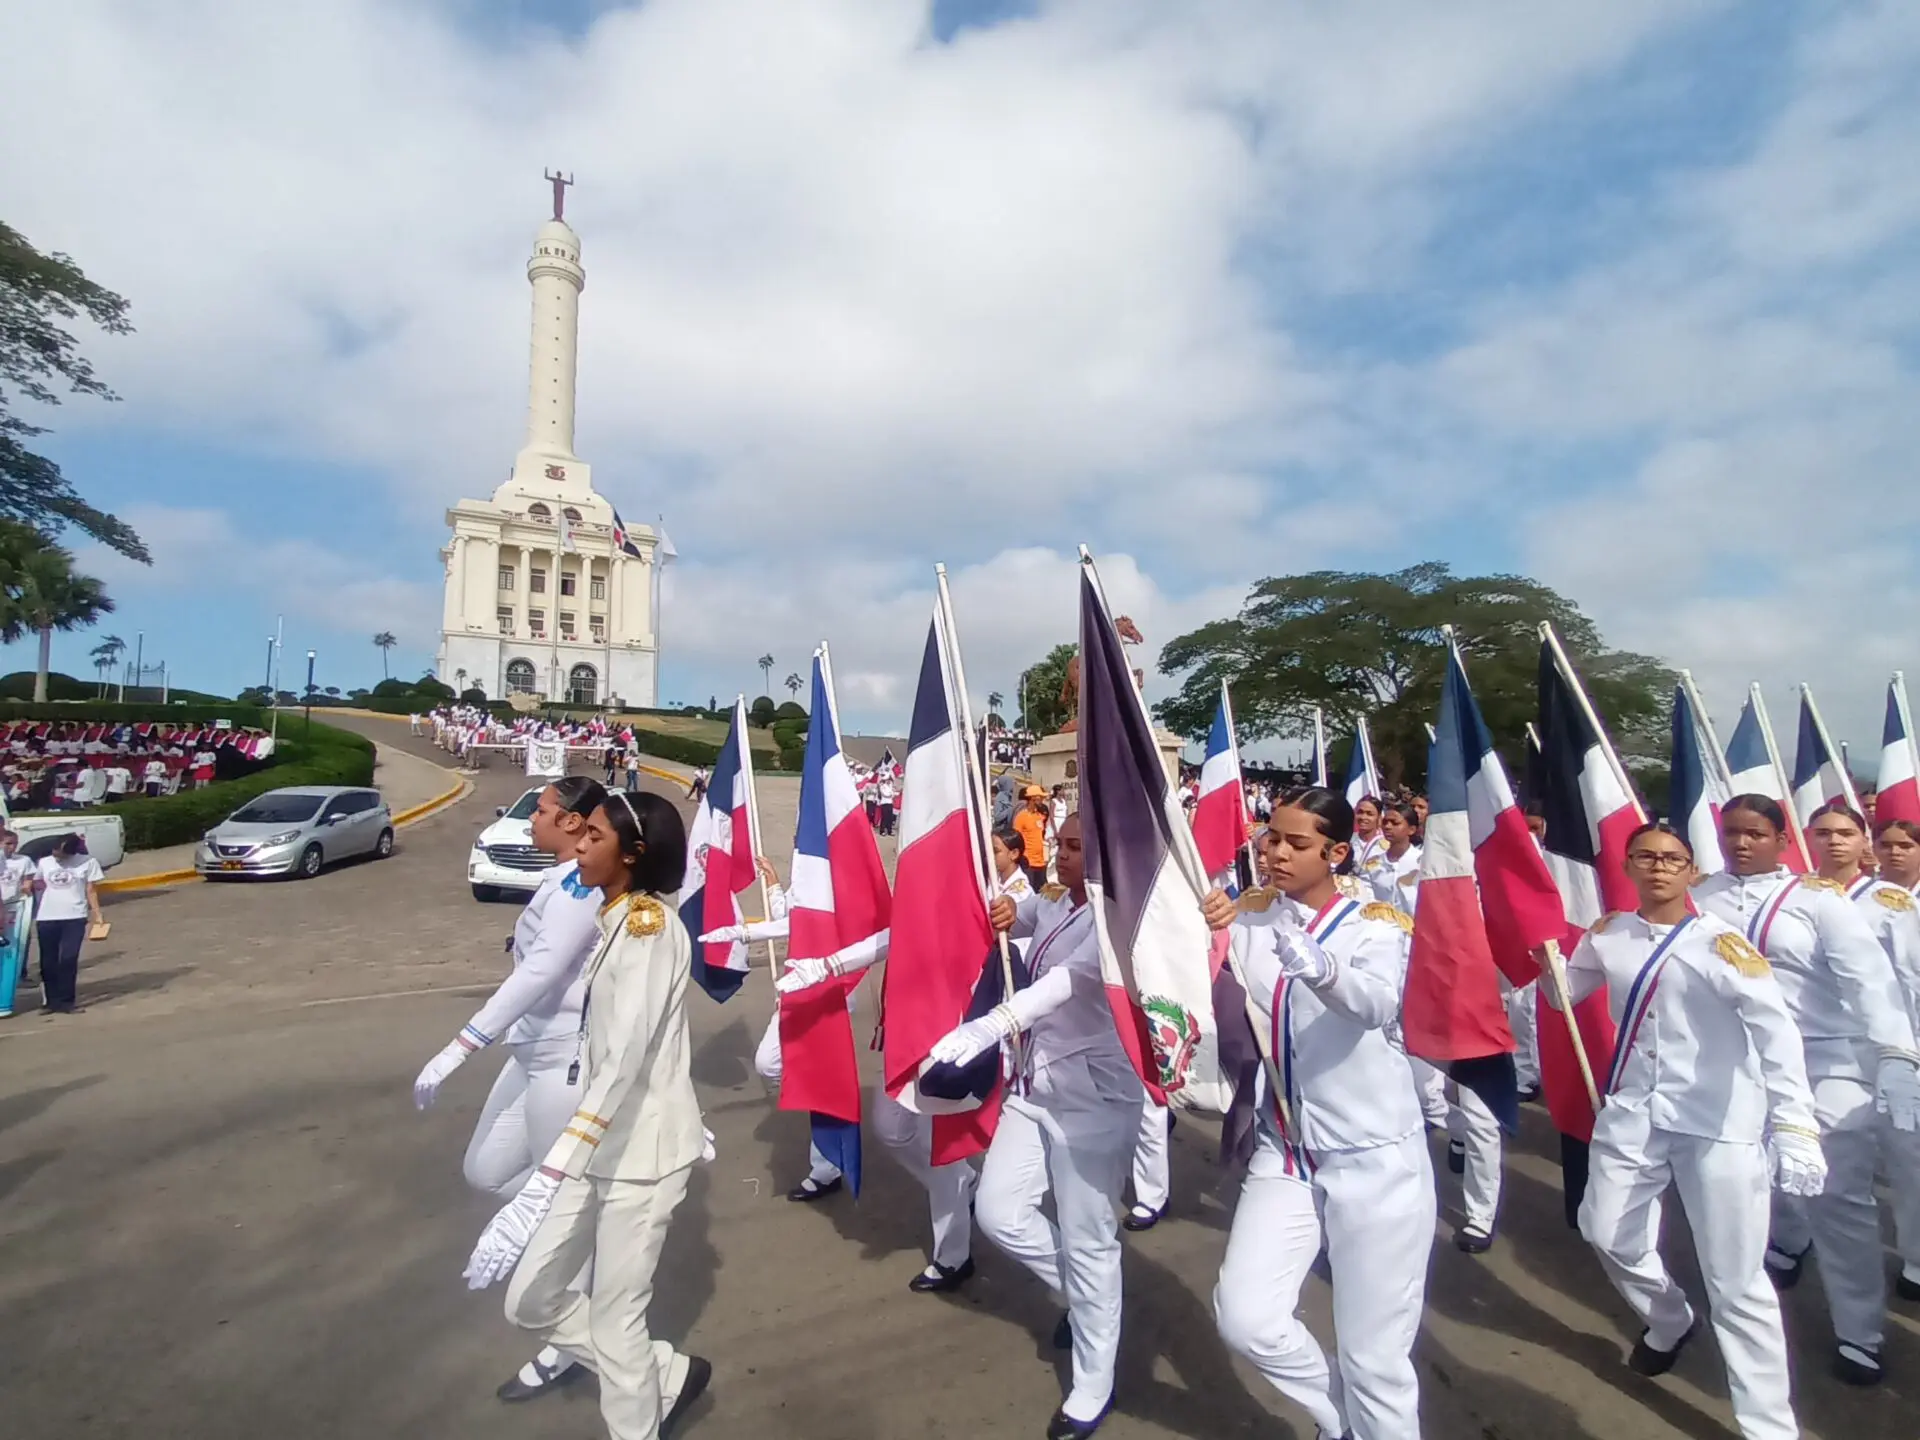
column 1639, row 1002
column 1320, row 929
column 1760, row 928
column 1860, row 887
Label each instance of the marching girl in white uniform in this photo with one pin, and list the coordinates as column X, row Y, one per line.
column 605, row 1194
column 1068, row 1127
column 1860, row 1059
column 1708, row 1063
column 1368, row 841
column 1344, row 1165
column 1897, row 847
column 536, row 1011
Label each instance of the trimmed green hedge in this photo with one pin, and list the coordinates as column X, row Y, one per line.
column 328, row 757
column 104, row 713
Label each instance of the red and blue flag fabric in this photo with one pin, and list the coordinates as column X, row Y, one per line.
column 1754, row 769
column 622, row 539
column 1220, row 815
column 720, row 865
column 941, row 946
column 839, row 899
column 1818, row 774
column 1699, row 787
column 1899, row 788
column 1362, row 777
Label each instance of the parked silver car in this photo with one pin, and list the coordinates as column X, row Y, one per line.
column 296, row 832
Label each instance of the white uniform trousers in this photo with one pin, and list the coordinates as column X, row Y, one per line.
column 1077, row 1147
column 1375, row 1211
column 1723, row 1188
column 526, row 1110
column 909, row 1139
column 766, row 1060
column 1471, row 1124
column 1521, row 1016
column 1430, row 1084
column 1152, row 1165
column 1842, row 1223
column 620, row 1226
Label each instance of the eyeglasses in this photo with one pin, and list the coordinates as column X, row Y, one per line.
column 1659, row 860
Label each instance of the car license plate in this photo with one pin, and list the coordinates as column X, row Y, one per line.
column 229, row 864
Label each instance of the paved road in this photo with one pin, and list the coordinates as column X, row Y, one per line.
column 220, row 1218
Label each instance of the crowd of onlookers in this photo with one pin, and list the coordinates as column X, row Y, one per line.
column 74, row 765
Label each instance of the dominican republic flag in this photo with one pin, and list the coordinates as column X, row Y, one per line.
column 839, row 899
column 1145, row 878
column 1363, row 777
column 1818, row 775
column 622, row 540
column 1477, row 845
column 1899, row 797
column 720, row 865
column 1220, row 817
column 941, row 948
column 1753, row 761
column 888, row 765
column 1700, row 788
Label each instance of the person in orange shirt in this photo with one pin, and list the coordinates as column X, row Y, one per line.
column 1031, row 823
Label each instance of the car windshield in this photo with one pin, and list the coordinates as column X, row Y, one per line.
column 524, row 807
column 277, row 810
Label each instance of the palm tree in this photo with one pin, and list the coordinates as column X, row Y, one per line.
column 765, row 662
column 385, row 641
column 793, row 683
column 105, row 656
column 41, row 593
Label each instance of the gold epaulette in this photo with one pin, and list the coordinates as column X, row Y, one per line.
column 1350, row 887
column 1380, row 910
column 1893, row 897
column 1053, row 892
column 1255, row 901
column 1737, row 952
column 1599, row 927
column 645, row 916
column 1820, row 882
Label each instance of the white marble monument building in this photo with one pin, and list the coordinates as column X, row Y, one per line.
column 547, row 592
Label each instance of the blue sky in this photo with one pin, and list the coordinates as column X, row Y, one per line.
column 1622, row 296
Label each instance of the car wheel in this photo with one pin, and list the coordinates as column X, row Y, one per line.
column 383, row 847
column 486, row 893
column 311, row 860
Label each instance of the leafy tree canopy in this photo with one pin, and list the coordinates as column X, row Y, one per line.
column 39, row 361
column 1039, row 692
column 1356, row 644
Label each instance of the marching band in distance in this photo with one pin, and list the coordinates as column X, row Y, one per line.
column 1720, row 1003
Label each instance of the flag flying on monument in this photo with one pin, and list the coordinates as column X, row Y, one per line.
column 1220, row 815
column 621, row 539
column 1145, row 879
column 1818, row 775
column 1362, row 778
column 720, row 869
column 1699, row 788
column 567, row 542
column 839, row 900
column 941, row 945
column 1899, row 787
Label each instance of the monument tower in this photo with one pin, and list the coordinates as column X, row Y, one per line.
column 548, row 592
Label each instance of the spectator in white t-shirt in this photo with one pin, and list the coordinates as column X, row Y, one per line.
column 155, row 775
column 119, row 781
column 67, row 882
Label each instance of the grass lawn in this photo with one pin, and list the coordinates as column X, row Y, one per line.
column 694, row 727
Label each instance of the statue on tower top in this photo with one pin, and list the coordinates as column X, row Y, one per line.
column 560, row 184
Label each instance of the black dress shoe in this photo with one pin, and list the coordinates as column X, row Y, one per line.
column 1783, row 1267
column 1645, row 1360
column 943, row 1280
column 1472, row 1242
column 1456, row 1158
column 1064, row 1427
column 808, row 1190
column 552, row 1377
column 1063, row 1333
column 1139, row 1217
column 1906, row 1289
column 699, row 1373
column 1857, row 1365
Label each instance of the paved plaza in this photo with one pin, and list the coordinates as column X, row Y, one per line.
column 221, row 1218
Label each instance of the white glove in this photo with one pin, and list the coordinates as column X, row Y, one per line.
column 966, row 1043
column 707, row 1152
column 804, row 975
column 507, row 1234
column 427, row 1084
column 1897, row 1092
column 1301, row 959
column 724, row 934
column 1799, row 1166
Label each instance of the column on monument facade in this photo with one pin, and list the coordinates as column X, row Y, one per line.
column 636, row 589
column 483, row 594
column 453, row 603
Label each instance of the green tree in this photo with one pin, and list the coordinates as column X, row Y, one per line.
column 40, row 593
column 761, row 712
column 384, row 641
column 39, row 361
column 1356, row 644
column 1040, row 709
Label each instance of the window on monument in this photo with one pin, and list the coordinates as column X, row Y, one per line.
column 598, row 625
column 520, row 676
column 567, row 582
column 537, row 621
column 583, row 685
column 566, row 623
column 538, row 511
column 597, row 588
column 506, row 577
column 571, row 514
column 537, row 580
column 505, row 616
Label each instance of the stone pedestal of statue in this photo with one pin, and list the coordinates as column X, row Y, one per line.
column 1054, row 760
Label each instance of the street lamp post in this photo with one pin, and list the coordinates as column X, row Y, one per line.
column 309, row 695
column 269, row 681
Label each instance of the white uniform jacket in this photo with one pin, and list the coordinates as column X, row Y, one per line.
column 1838, row 982
column 1895, row 922
column 1346, row 1083
column 555, row 933
column 1707, row 1046
column 1075, row 1021
column 1395, row 882
column 639, row 1118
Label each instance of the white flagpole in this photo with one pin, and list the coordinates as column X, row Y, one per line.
column 1370, row 767
column 1906, row 718
column 1780, row 779
column 1433, row 737
column 1319, row 748
column 1820, row 728
column 1719, row 755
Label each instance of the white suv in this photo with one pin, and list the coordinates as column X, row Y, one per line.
column 504, row 857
